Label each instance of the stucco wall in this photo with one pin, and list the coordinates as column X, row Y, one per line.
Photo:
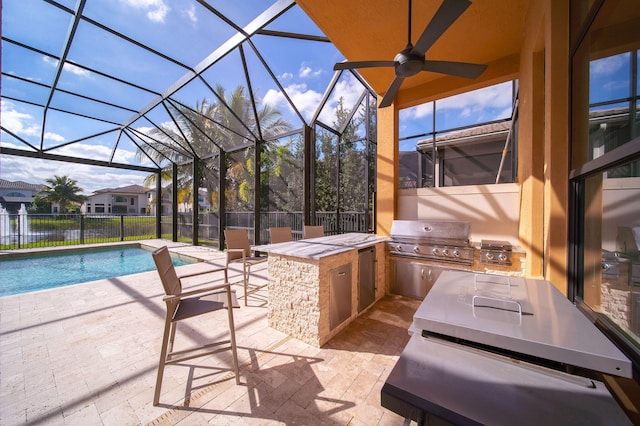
column 493, row 210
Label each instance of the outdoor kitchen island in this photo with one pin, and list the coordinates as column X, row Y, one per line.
column 319, row 285
column 496, row 350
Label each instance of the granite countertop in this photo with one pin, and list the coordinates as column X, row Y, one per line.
column 317, row 248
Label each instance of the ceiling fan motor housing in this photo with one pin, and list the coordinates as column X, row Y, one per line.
column 408, row 64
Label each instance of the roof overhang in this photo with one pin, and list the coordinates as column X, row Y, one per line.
column 489, row 32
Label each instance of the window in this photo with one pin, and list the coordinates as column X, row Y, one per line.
column 470, row 132
column 611, row 249
column 99, row 208
column 604, row 273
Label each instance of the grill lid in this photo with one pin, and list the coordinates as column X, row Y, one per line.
column 495, row 245
column 428, row 231
column 520, row 315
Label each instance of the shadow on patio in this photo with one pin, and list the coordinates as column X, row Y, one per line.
column 88, row 354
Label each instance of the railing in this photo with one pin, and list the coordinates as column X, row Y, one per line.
column 333, row 223
column 47, row 230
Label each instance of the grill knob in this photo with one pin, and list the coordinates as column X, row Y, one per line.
column 489, row 256
column 399, row 247
column 435, row 251
column 456, row 253
column 416, row 249
column 502, row 257
column 445, row 252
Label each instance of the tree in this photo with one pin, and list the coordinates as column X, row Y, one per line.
column 342, row 161
column 282, row 175
column 64, row 191
column 202, row 131
column 39, row 205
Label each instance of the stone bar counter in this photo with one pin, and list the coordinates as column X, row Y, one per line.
column 319, row 285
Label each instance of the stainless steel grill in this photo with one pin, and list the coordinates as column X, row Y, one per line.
column 495, row 252
column 442, row 241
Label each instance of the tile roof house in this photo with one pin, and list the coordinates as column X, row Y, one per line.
column 128, row 200
column 15, row 193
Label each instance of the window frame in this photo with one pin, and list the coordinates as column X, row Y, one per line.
column 626, row 153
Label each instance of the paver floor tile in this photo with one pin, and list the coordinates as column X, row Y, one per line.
column 88, row 354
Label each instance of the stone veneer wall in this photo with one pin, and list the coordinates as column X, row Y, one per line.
column 299, row 293
column 616, row 296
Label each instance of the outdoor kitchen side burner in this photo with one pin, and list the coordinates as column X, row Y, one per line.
column 496, row 252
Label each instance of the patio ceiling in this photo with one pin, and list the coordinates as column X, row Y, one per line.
column 94, row 77
column 488, row 32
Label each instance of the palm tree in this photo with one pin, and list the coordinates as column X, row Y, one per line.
column 201, row 132
column 64, row 191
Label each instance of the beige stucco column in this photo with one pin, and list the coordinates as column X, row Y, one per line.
column 531, row 142
column 543, row 141
column 387, row 169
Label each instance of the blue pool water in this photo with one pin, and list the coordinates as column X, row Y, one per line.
column 25, row 274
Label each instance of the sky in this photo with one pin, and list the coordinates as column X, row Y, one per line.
column 187, row 32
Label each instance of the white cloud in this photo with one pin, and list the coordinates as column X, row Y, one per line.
column 348, row 88
column 307, row 100
column 17, row 122
column 286, row 76
column 76, row 70
column 608, row 66
column 23, row 124
column 73, row 69
column 49, row 60
column 481, row 101
column 497, row 96
column 54, row 137
column 156, row 10
column 306, row 72
column 90, row 178
column 191, row 14
column 419, row 111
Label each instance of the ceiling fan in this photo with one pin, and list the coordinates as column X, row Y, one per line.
column 411, row 60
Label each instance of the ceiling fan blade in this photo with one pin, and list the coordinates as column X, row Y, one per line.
column 391, row 92
column 446, row 15
column 347, row 65
column 459, row 69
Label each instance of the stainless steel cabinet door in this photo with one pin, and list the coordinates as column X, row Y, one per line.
column 366, row 278
column 413, row 279
column 339, row 295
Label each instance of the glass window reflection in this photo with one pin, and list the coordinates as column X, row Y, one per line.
column 612, row 247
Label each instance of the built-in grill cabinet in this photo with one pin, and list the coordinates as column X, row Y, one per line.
column 420, row 250
column 412, row 278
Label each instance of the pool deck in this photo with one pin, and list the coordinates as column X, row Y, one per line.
column 88, row 354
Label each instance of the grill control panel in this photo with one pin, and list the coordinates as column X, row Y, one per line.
column 495, row 252
column 455, row 254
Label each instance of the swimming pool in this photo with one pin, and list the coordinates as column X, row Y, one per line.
column 39, row 272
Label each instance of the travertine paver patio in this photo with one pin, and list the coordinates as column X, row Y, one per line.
column 87, row 354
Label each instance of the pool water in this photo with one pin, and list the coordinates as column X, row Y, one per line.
column 25, row 274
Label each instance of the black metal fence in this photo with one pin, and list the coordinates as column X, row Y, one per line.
column 48, row 230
